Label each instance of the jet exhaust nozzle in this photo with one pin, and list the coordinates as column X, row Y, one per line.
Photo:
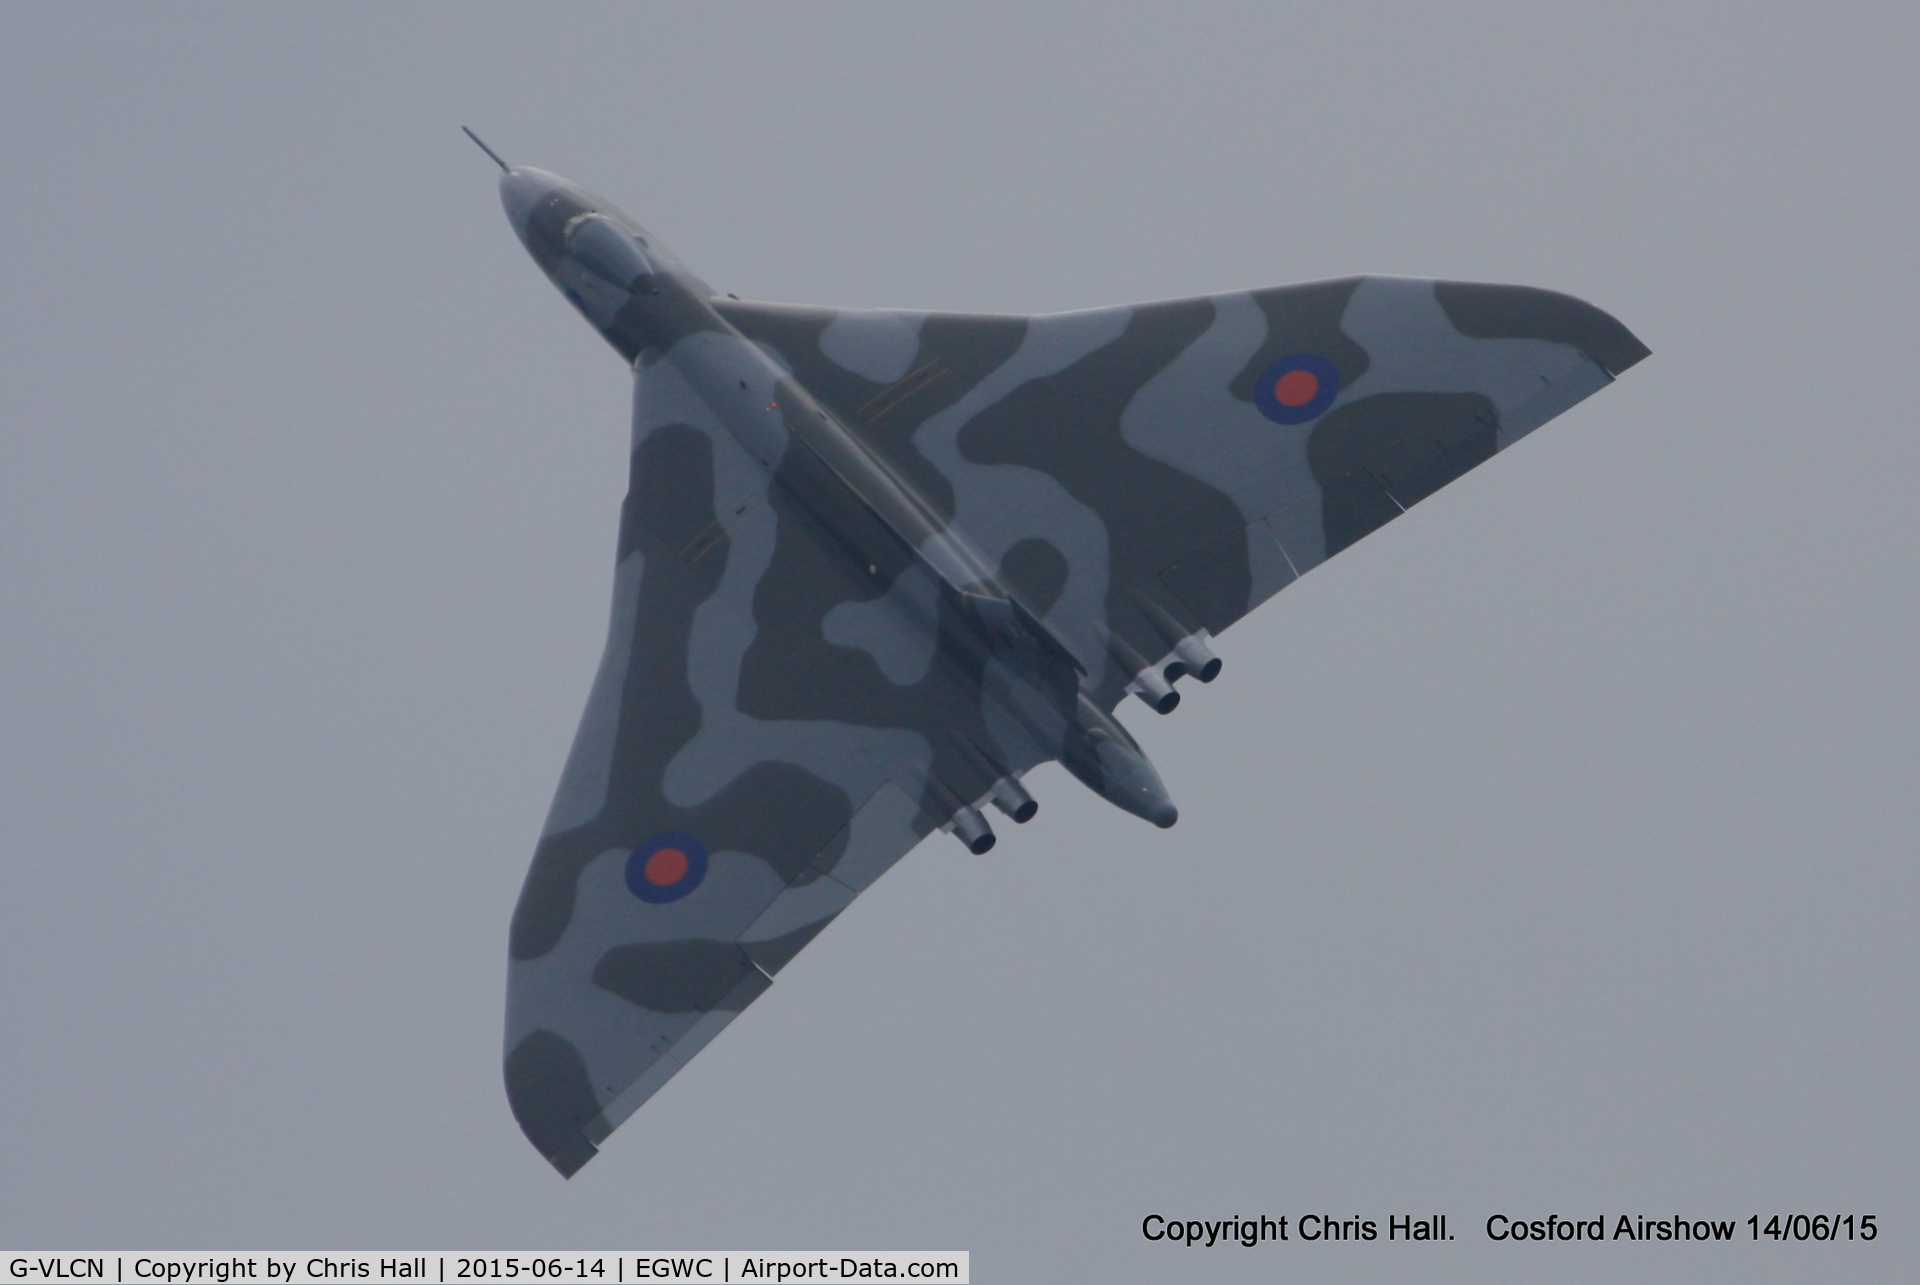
column 1197, row 658
column 1191, row 655
column 1012, row 798
column 1148, row 683
column 973, row 830
column 1150, row 686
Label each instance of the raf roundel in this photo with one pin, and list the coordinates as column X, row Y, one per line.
column 1296, row 389
column 667, row 867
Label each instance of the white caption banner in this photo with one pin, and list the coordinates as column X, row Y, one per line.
column 443, row 1267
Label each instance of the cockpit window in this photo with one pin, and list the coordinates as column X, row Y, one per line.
column 605, row 250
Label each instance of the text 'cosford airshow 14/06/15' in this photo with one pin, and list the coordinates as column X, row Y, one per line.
column 875, row 566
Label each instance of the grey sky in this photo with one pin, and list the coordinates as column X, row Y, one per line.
column 1551, row 851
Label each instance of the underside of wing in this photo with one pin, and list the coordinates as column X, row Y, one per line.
column 765, row 737
column 1147, row 472
column 776, row 722
column 773, row 725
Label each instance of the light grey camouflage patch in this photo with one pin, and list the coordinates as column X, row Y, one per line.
column 881, row 832
column 662, row 396
column 799, row 907
column 894, row 628
column 583, row 782
column 1556, row 394
column 874, row 345
column 737, row 890
column 1413, row 347
column 1187, row 416
column 729, row 742
column 999, row 505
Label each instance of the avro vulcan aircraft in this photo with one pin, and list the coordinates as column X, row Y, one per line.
column 876, row 566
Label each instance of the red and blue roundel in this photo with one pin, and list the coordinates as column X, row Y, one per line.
column 1296, row 389
column 667, row 867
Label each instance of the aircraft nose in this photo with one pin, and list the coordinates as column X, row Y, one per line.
column 520, row 191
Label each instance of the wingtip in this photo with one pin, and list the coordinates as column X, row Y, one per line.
column 548, row 1089
column 1481, row 311
column 1631, row 355
column 573, row 1159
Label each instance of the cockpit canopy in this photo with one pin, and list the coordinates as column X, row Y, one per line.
column 607, row 250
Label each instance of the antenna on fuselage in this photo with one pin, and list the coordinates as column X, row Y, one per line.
column 504, row 168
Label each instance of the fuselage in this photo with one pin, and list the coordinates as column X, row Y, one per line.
column 649, row 306
column 642, row 298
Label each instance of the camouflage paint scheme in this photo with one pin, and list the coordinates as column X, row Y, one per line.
column 875, row 566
